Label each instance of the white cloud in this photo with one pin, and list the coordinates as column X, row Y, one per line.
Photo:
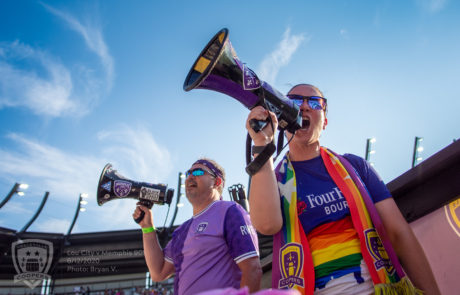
column 54, row 225
column 432, row 6
column 34, row 78
column 141, row 151
column 133, row 152
column 64, row 174
column 14, row 207
column 280, row 57
column 23, row 87
column 93, row 38
column 344, row 33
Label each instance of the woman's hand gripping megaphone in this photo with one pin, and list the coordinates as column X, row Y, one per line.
column 263, row 136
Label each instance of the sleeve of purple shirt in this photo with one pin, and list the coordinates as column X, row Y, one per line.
column 375, row 185
column 167, row 252
column 239, row 234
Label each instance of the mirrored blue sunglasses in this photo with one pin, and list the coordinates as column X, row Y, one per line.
column 314, row 102
column 198, row 172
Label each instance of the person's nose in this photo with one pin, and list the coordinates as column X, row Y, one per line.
column 305, row 106
column 190, row 176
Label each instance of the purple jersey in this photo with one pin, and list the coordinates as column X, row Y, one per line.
column 205, row 249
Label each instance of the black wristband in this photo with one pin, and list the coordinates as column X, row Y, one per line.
column 261, row 159
column 257, row 149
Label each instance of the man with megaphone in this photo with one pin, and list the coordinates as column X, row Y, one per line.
column 217, row 248
column 336, row 228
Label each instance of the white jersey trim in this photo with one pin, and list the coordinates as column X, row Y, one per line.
column 246, row 256
column 204, row 210
column 169, row 260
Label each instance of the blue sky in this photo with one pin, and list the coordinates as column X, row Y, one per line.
column 85, row 83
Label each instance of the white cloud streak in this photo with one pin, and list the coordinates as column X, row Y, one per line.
column 55, row 225
column 432, row 6
column 140, row 151
column 133, row 152
column 281, row 56
column 93, row 39
column 344, row 33
column 35, row 79
column 22, row 87
column 58, row 171
column 15, row 208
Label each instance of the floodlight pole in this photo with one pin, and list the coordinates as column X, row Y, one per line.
column 45, row 198
column 179, row 185
column 75, row 216
column 368, row 149
column 10, row 194
column 415, row 153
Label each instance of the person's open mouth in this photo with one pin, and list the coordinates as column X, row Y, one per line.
column 305, row 123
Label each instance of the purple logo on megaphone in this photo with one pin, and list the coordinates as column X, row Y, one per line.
column 121, row 188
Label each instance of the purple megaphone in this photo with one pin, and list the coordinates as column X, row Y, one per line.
column 218, row 68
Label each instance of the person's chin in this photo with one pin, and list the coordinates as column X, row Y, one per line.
column 302, row 134
column 190, row 191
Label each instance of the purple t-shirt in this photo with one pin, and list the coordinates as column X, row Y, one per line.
column 205, row 249
column 321, row 199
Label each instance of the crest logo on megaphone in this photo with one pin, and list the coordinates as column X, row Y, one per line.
column 218, row 68
column 114, row 186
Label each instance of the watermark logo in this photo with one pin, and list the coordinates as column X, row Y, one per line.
column 32, row 260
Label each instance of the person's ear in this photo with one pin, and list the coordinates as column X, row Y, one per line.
column 218, row 181
column 325, row 123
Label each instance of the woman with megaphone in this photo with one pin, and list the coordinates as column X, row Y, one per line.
column 336, row 228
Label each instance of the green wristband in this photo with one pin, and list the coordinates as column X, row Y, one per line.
column 148, row 230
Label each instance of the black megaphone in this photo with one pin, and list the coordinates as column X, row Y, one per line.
column 113, row 186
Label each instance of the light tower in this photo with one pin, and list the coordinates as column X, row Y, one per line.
column 416, row 158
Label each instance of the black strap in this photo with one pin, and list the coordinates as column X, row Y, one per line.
column 257, row 149
column 280, row 142
column 248, row 149
column 253, row 167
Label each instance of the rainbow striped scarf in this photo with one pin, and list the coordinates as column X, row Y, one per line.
column 292, row 265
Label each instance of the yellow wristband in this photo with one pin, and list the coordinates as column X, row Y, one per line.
column 148, row 230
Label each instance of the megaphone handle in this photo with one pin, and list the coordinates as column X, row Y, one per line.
column 147, row 204
column 257, row 125
column 139, row 219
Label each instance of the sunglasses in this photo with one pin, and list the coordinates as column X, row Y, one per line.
column 198, row 172
column 314, row 102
